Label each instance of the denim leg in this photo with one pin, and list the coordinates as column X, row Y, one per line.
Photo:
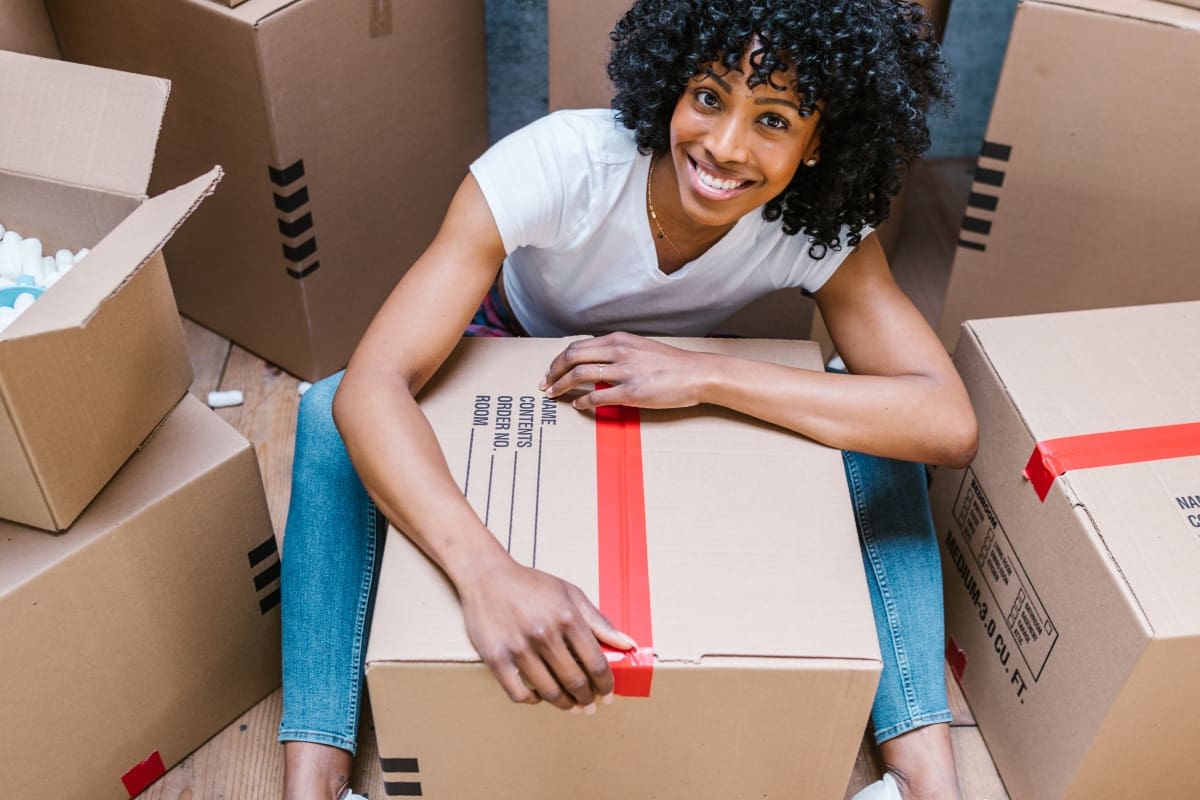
column 331, row 555
column 900, row 553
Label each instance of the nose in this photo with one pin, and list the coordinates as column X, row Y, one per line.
column 726, row 140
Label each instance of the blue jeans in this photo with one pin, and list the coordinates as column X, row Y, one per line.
column 333, row 546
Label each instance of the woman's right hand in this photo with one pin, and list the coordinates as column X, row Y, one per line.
column 540, row 636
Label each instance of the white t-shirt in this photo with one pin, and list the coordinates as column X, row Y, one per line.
column 568, row 193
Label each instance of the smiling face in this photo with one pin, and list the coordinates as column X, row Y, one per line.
column 733, row 146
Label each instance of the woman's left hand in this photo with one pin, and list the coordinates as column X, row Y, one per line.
column 631, row 371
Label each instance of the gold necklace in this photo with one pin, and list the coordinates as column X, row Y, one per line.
column 650, row 205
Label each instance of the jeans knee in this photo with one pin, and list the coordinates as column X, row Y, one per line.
column 314, row 421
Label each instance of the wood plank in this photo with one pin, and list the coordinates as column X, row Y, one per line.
column 958, row 702
column 977, row 776
column 208, row 352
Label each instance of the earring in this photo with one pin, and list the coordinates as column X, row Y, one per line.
column 812, row 162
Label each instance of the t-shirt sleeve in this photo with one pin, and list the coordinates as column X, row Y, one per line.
column 531, row 180
column 821, row 269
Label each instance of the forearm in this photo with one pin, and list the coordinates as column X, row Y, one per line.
column 909, row 417
column 398, row 458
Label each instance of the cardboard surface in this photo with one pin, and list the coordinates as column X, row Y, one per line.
column 334, row 183
column 26, row 28
column 757, row 600
column 95, row 364
column 1084, row 195
column 1079, row 616
column 142, row 630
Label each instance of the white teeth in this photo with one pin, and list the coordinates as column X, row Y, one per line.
column 713, row 182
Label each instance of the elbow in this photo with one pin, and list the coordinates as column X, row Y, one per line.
column 960, row 442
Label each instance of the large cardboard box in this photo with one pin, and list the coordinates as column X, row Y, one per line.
column 727, row 549
column 1075, row 620
column 147, row 627
column 25, row 28
column 95, row 364
column 1085, row 192
column 344, row 130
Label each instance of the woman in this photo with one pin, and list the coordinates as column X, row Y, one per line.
column 753, row 146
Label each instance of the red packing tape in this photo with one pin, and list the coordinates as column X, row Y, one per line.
column 142, row 775
column 1053, row 457
column 621, row 528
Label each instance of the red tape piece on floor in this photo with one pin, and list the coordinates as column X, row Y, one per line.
column 621, row 528
column 142, row 775
column 1054, row 457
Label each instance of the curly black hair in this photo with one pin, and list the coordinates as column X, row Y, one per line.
column 873, row 67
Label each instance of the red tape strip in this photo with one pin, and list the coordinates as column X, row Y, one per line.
column 138, row 778
column 1054, row 457
column 621, row 528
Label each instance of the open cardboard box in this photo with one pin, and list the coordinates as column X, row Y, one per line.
column 97, row 362
column 146, row 629
column 1071, row 599
column 744, row 589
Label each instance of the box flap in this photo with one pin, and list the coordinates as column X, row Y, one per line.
column 1170, row 12
column 743, row 520
column 79, row 124
column 113, row 260
column 1108, row 370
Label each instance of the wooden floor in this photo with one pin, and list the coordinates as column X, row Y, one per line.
column 244, row 760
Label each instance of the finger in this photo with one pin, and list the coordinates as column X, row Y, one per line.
column 586, row 374
column 592, row 661
column 601, row 628
column 539, row 677
column 582, row 351
column 570, row 675
column 608, row 396
column 513, row 684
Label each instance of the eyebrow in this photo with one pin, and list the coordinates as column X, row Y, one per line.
column 757, row 100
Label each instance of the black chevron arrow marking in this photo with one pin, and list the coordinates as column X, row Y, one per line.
column 282, row 177
column 296, row 227
column 301, row 251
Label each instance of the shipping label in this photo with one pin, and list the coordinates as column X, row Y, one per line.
column 996, row 582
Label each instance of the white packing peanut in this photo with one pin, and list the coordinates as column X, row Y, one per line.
column 51, row 279
column 7, row 315
column 10, row 255
column 63, row 258
column 49, row 267
column 79, row 256
column 3, row 230
column 31, row 257
column 24, row 300
column 303, row 387
column 233, row 397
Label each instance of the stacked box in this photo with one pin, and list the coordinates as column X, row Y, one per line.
column 1084, row 195
column 344, row 130
column 724, row 546
column 152, row 621
column 147, row 627
column 93, row 366
column 1071, row 547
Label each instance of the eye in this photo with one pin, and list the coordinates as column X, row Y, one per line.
column 706, row 98
column 775, row 122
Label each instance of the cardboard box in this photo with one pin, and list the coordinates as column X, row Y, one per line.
column 1084, row 195
column 149, row 626
column 26, row 28
column 96, row 363
column 1076, row 620
column 745, row 581
column 344, row 130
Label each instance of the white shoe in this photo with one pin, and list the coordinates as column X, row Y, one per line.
column 885, row 789
column 349, row 795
